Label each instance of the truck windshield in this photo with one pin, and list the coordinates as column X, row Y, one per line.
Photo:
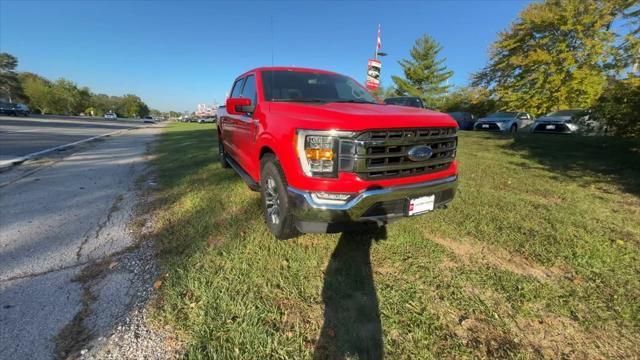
column 404, row 101
column 298, row 86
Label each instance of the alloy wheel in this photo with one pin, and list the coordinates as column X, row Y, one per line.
column 272, row 200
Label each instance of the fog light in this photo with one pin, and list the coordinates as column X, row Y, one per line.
column 330, row 198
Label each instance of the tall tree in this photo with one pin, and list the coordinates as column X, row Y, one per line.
column 475, row 100
column 38, row 92
column 425, row 75
column 556, row 55
column 10, row 86
column 630, row 42
column 67, row 97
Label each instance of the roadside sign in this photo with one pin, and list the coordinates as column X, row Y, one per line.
column 373, row 74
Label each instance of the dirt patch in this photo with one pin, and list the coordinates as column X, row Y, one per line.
column 546, row 336
column 75, row 334
column 470, row 251
column 480, row 334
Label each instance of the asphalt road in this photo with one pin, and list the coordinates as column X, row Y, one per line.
column 58, row 220
column 22, row 136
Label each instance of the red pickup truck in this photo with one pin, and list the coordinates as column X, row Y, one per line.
column 327, row 156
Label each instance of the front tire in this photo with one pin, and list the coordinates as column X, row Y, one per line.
column 275, row 203
column 514, row 129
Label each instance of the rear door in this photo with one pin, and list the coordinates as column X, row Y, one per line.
column 229, row 123
column 246, row 125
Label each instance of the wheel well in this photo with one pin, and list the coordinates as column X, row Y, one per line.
column 266, row 150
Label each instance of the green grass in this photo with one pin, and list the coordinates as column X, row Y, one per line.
column 538, row 256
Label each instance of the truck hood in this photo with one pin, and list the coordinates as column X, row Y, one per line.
column 348, row 116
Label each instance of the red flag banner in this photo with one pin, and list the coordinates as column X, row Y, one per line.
column 373, row 74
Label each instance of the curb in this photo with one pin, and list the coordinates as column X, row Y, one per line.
column 12, row 162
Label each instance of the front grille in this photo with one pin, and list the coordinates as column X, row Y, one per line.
column 557, row 128
column 383, row 154
column 487, row 126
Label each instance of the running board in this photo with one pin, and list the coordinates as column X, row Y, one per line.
column 243, row 174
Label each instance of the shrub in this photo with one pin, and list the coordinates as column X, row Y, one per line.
column 618, row 108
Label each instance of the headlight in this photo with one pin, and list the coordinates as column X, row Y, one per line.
column 318, row 151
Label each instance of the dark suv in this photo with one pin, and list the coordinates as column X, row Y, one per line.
column 8, row 109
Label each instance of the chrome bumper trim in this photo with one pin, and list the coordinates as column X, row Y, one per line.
column 306, row 208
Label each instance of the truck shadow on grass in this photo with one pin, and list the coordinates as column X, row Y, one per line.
column 588, row 160
column 352, row 326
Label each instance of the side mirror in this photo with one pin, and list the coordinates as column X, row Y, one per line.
column 239, row 106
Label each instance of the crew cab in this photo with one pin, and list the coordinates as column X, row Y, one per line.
column 327, row 156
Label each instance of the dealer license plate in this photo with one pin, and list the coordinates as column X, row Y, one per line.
column 485, row 126
column 550, row 127
column 421, row 204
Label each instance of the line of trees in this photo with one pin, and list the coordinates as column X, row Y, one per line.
column 558, row 54
column 62, row 97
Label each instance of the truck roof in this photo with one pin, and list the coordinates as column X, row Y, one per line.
column 287, row 68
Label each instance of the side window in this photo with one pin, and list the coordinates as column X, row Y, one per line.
column 249, row 90
column 237, row 88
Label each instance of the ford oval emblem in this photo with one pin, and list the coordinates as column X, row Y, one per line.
column 420, row 153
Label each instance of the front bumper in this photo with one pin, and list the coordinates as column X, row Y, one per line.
column 554, row 128
column 489, row 126
column 377, row 206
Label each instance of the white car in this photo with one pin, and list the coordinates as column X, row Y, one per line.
column 504, row 121
column 561, row 122
column 111, row 115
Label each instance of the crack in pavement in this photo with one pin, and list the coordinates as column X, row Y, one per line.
column 112, row 209
column 40, row 273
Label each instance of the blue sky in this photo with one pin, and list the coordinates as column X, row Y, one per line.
column 176, row 54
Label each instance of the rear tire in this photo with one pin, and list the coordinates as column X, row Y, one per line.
column 275, row 203
column 222, row 153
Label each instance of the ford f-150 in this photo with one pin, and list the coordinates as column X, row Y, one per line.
column 327, row 156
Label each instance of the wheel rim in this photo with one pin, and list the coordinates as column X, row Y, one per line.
column 272, row 201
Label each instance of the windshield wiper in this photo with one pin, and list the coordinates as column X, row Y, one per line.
column 300, row 100
column 353, row 101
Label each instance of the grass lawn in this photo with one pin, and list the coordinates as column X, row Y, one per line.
column 538, row 256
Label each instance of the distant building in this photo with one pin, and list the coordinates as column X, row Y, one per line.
column 204, row 110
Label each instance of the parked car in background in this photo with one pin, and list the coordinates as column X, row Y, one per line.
column 148, row 120
column 465, row 120
column 110, row 115
column 7, row 109
column 504, row 121
column 206, row 120
column 411, row 101
column 328, row 157
column 561, row 122
column 220, row 112
column 22, row 109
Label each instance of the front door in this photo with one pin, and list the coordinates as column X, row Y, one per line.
column 229, row 123
column 246, row 124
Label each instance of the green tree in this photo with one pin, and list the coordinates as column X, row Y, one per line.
column 425, row 75
column 132, row 106
column 67, row 97
column 556, row 55
column 10, row 86
column 38, row 92
column 630, row 43
column 618, row 108
column 475, row 100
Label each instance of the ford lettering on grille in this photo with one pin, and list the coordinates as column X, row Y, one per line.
column 420, row 153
